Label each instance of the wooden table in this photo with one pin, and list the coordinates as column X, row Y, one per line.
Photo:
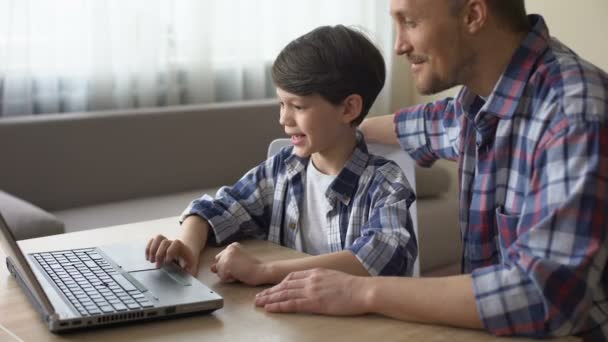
column 238, row 320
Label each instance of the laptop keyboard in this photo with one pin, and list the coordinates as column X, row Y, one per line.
column 91, row 283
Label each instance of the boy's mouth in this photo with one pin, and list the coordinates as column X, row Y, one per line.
column 297, row 139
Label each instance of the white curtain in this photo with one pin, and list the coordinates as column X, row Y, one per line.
column 83, row 55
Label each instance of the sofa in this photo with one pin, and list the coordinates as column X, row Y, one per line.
column 75, row 171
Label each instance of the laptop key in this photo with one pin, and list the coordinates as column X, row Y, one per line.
column 146, row 304
column 94, row 312
column 119, row 307
column 106, row 308
column 123, row 282
column 133, row 305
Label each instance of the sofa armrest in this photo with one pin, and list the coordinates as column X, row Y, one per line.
column 27, row 221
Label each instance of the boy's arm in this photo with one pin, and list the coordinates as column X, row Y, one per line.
column 242, row 210
column 194, row 233
column 234, row 263
column 344, row 261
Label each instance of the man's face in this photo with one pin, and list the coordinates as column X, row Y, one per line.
column 430, row 35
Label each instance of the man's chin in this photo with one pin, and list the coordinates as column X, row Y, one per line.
column 431, row 89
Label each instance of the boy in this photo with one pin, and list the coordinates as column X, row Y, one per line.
column 325, row 195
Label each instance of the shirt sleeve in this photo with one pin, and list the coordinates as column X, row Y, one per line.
column 429, row 132
column 242, row 210
column 387, row 245
column 551, row 276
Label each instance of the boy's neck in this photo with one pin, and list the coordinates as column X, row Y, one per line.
column 332, row 161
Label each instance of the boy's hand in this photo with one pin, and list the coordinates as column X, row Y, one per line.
column 234, row 264
column 162, row 250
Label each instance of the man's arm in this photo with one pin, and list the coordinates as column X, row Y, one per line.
column 447, row 300
column 379, row 130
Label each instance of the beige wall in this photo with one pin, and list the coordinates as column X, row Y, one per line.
column 582, row 25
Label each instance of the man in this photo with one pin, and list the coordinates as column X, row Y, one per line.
column 530, row 134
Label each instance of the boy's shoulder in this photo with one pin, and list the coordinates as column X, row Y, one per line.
column 388, row 170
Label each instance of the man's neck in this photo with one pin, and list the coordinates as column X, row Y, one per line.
column 494, row 55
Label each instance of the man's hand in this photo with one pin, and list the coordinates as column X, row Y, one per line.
column 235, row 264
column 162, row 250
column 319, row 291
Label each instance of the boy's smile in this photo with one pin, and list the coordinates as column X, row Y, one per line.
column 317, row 129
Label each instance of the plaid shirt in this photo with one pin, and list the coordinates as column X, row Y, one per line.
column 368, row 214
column 533, row 170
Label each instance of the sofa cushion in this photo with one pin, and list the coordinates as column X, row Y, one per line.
column 432, row 181
column 26, row 220
column 134, row 210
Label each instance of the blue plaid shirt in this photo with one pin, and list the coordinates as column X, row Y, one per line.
column 533, row 168
column 368, row 215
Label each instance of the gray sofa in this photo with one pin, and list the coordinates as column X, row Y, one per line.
column 89, row 170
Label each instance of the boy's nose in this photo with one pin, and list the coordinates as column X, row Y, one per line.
column 285, row 118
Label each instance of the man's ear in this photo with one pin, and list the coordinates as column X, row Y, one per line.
column 353, row 105
column 475, row 15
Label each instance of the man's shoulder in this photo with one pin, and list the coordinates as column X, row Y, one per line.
column 566, row 81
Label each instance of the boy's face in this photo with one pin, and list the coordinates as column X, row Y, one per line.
column 313, row 124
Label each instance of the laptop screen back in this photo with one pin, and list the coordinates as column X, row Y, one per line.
column 12, row 250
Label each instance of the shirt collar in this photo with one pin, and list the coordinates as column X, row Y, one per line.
column 345, row 185
column 504, row 99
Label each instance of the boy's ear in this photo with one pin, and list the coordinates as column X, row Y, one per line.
column 353, row 105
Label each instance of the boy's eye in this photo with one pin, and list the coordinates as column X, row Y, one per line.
column 297, row 107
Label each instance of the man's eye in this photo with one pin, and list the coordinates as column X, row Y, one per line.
column 410, row 23
column 297, row 107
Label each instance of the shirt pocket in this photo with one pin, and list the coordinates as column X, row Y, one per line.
column 506, row 227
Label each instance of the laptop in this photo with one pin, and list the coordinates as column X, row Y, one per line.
column 97, row 286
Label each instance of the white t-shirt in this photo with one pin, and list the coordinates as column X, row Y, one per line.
column 312, row 236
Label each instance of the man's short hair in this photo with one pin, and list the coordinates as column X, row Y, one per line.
column 511, row 12
column 334, row 62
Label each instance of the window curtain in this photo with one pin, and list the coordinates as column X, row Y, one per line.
column 87, row 55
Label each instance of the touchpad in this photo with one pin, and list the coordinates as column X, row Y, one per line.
column 166, row 289
column 130, row 256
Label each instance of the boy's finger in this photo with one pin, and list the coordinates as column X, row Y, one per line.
column 148, row 248
column 161, row 252
column 154, row 246
column 174, row 252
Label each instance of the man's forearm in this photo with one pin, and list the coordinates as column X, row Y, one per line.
column 344, row 261
column 445, row 300
column 379, row 129
column 194, row 233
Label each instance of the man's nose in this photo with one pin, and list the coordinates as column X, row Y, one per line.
column 402, row 44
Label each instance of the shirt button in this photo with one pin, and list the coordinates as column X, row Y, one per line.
column 292, row 225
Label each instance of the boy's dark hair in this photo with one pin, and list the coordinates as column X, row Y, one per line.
column 334, row 62
column 511, row 12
